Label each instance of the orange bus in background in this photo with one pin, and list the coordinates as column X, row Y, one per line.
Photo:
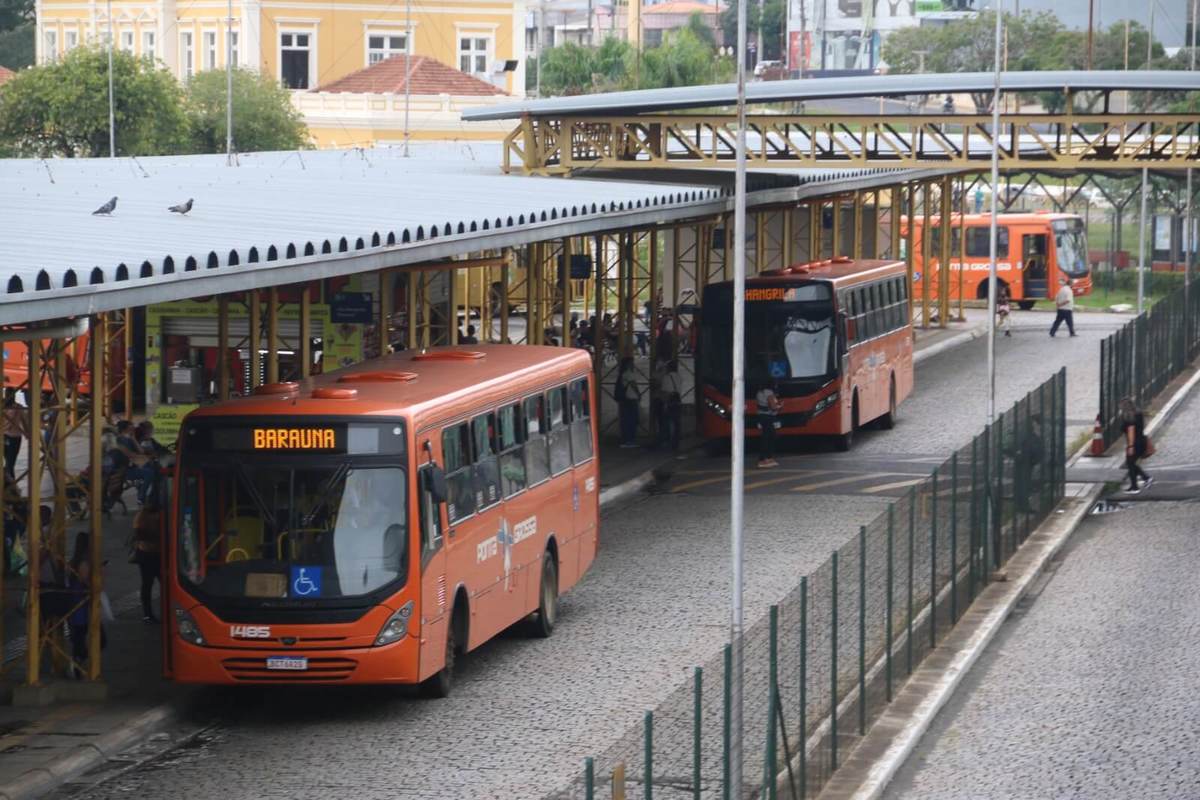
column 834, row 338
column 1033, row 250
column 78, row 365
column 373, row 524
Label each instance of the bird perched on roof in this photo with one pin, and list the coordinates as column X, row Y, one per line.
column 106, row 209
column 182, row 208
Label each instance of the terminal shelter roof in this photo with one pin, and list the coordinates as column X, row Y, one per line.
column 650, row 101
column 279, row 218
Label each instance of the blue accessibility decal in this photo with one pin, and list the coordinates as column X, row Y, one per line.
column 305, row 582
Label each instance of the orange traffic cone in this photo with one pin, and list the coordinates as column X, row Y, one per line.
column 1097, row 439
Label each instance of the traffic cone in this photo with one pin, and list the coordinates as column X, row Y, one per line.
column 1098, row 439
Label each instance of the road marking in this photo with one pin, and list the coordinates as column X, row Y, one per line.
column 773, row 481
column 862, row 476
column 683, row 487
column 897, row 485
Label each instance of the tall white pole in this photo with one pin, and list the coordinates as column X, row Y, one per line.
column 541, row 40
column 1189, row 235
column 1145, row 187
column 992, row 282
column 112, row 105
column 229, row 84
column 738, row 413
column 408, row 41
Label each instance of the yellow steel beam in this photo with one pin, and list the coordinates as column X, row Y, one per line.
column 305, row 331
column 222, row 347
column 33, row 523
column 272, row 335
column 944, row 258
column 95, row 496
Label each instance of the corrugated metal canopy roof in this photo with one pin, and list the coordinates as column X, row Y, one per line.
column 281, row 218
column 649, row 101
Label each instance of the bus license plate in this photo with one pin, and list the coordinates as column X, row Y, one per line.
column 287, row 663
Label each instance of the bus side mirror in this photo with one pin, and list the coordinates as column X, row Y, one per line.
column 435, row 483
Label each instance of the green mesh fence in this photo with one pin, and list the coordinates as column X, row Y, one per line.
column 829, row 657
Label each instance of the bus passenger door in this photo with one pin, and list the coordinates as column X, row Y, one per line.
column 434, row 599
column 1034, row 254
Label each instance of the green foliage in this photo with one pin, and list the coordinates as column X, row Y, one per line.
column 16, row 47
column 61, row 109
column 682, row 59
column 686, row 57
column 773, row 20
column 15, row 14
column 263, row 115
column 567, row 70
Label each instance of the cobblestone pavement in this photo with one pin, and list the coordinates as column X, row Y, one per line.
column 525, row 712
column 1089, row 692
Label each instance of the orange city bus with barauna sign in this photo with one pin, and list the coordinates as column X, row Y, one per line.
column 833, row 337
column 373, row 524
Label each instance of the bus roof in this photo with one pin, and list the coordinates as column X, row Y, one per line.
column 412, row 383
column 1006, row 218
column 839, row 271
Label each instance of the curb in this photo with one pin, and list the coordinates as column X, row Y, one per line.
column 905, row 733
column 614, row 495
column 41, row 780
column 949, row 344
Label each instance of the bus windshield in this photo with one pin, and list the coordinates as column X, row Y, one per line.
column 291, row 527
column 1070, row 247
column 789, row 339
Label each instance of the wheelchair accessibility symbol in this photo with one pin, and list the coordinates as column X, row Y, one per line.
column 306, row 582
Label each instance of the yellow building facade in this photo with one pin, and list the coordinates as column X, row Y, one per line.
column 306, row 45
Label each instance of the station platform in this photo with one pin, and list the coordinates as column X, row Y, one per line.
column 85, row 734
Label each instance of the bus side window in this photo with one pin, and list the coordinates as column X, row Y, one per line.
column 431, row 517
column 537, row 449
column 512, row 450
column 581, row 421
column 560, row 435
column 868, row 313
column 456, row 449
column 487, row 466
column 889, row 303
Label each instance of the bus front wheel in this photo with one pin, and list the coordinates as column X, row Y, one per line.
column 440, row 683
column 547, row 613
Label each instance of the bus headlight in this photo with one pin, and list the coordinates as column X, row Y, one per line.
column 396, row 627
column 189, row 631
column 825, row 402
column 715, row 407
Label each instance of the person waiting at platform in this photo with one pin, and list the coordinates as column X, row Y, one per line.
column 628, row 402
column 16, row 428
column 127, row 459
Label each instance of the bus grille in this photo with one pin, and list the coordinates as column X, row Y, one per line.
column 319, row 669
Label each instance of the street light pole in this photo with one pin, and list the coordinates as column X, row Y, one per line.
column 408, row 69
column 992, row 288
column 229, row 84
column 738, row 414
column 1189, row 236
column 112, row 105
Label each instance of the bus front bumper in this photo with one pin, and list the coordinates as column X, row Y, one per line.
column 395, row 663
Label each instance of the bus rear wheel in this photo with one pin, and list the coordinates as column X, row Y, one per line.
column 543, row 621
column 441, row 682
column 888, row 420
column 1026, row 305
column 846, row 440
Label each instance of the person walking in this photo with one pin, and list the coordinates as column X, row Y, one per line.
column 628, row 401
column 768, row 421
column 1004, row 311
column 1065, row 301
column 147, row 550
column 15, row 429
column 658, row 405
column 79, row 578
column 1133, row 425
column 673, row 405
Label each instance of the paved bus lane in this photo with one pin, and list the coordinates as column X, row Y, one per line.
column 526, row 712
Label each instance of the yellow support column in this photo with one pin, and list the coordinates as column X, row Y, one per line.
column 926, row 266
column 876, row 239
column 533, row 302
column 305, row 332
column 908, row 192
column 962, row 247
column 760, row 243
column 95, row 498
column 835, row 245
column 858, row 231
column 452, row 308
column 895, row 196
column 385, row 311
column 33, row 526
column 272, row 335
column 252, row 341
column 944, row 261
column 565, row 334
column 814, row 230
column 128, row 355
column 426, row 312
column 222, row 347
column 504, row 306
column 789, row 249
column 411, row 303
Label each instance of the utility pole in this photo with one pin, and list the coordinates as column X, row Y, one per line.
column 803, row 53
column 991, row 328
column 112, row 106
column 541, row 42
column 408, row 69
column 758, row 38
column 1091, row 22
column 229, row 84
column 1190, row 235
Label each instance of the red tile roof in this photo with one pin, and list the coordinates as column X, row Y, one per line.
column 6, row 75
column 429, row 76
column 682, row 7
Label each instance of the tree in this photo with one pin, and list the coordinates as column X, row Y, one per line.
column 683, row 59
column 567, row 70
column 15, row 14
column 773, row 22
column 16, row 47
column 61, row 109
column 263, row 115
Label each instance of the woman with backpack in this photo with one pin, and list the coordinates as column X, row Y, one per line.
column 1137, row 445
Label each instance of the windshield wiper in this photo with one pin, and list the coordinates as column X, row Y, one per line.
column 252, row 490
column 323, row 494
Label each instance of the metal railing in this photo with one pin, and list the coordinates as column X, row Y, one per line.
column 828, row 658
column 1141, row 358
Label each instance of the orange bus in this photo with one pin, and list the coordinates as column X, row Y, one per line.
column 1033, row 251
column 375, row 523
column 78, row 365
column 834, row 337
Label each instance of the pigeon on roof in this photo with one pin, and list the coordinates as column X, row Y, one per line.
column 106, row 209
column 182, row 208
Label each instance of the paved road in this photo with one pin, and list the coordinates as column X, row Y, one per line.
column 1089, row 690
column 525, row 713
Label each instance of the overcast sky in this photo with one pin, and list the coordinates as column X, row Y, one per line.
column 1170, row 16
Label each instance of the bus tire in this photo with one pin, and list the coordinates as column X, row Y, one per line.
column 982, row 292
column 439, row 684
column 1026, row 305
column 888, row 420
column 542, row 622
column 846, row 440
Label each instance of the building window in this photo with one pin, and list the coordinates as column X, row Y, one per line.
column 473, row 54
column 380, row 47
column 50, row 46
column 210, row 49
column 70, row 40
column 295, row 50
column 233, row 48
column 127, row 41
column 187, row 55
column 148, row 44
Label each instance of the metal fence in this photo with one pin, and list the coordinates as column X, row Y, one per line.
column 1141, row 358
column 830, row 656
